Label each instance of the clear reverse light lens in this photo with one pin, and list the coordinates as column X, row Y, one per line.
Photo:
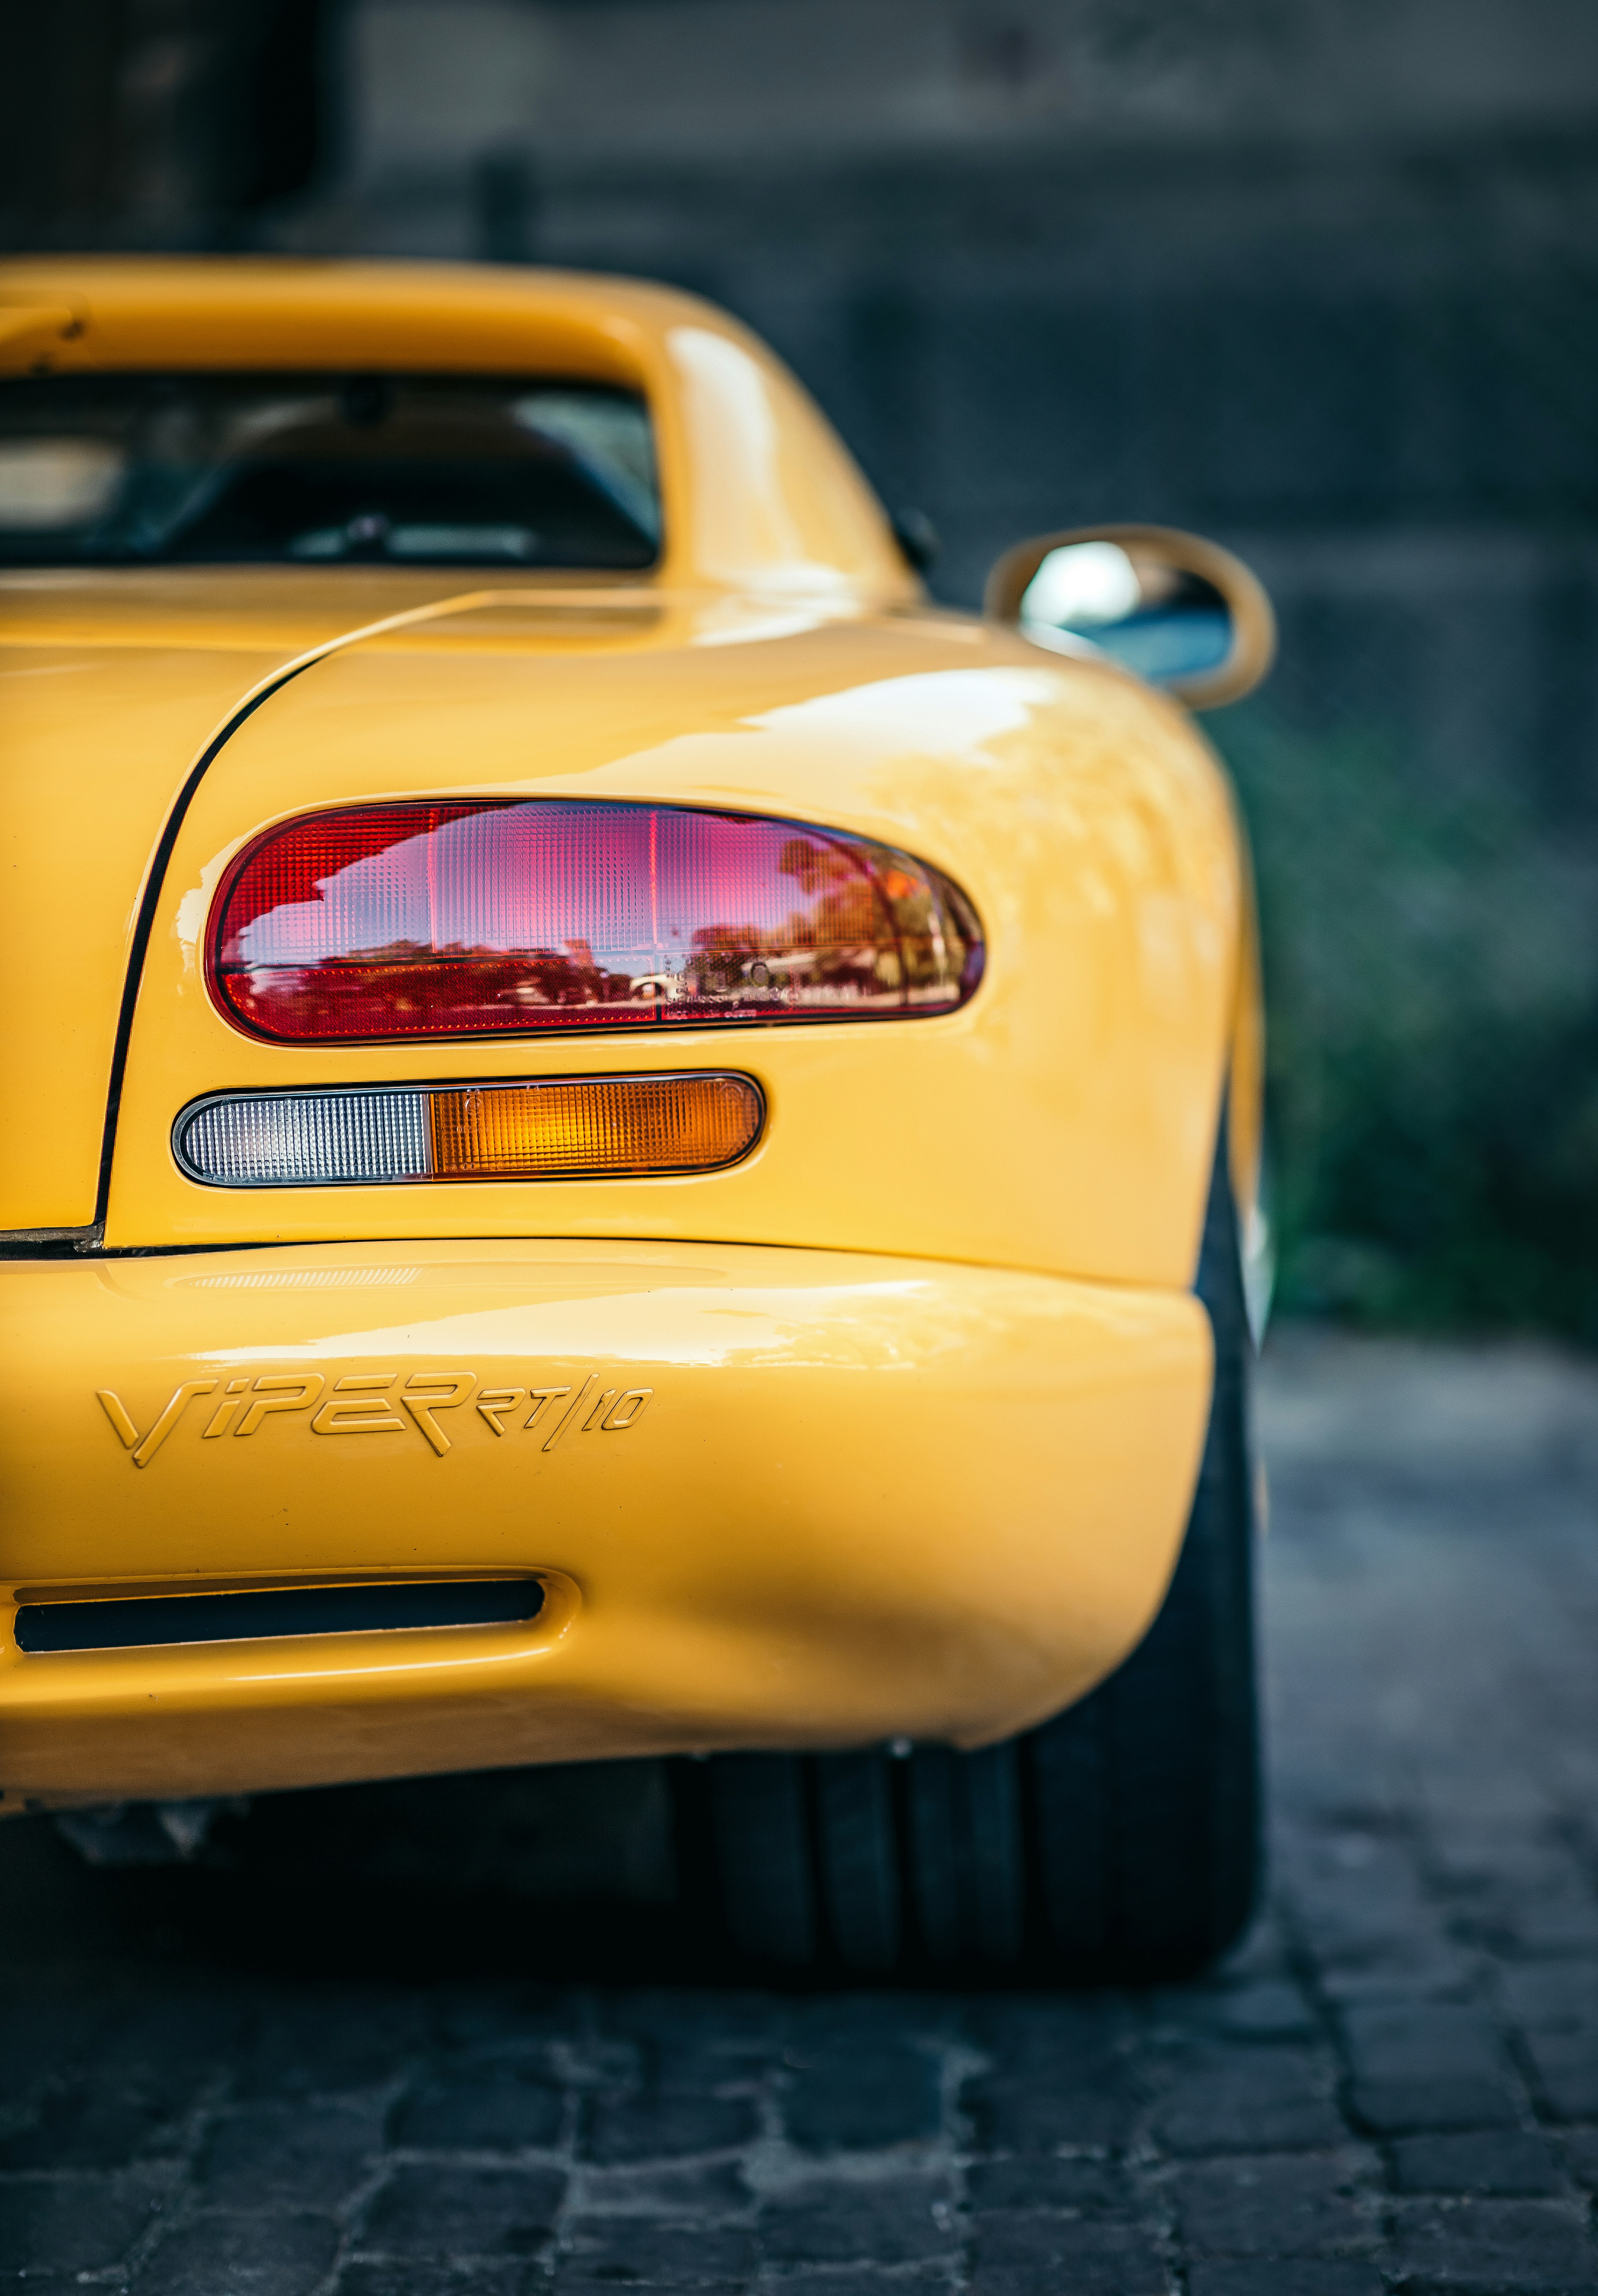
column 306, row 1139
column 569, row 1127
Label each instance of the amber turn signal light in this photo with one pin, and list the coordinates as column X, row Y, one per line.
column 566, row 1128
column 593, row 1127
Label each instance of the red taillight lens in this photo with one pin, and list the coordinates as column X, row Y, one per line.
column 397, row 921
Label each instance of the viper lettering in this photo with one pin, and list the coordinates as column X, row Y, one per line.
column 387, row 1403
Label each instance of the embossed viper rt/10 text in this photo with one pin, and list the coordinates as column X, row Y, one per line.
column 384, row 1403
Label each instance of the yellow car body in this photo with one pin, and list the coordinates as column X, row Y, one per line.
column 924, row 1382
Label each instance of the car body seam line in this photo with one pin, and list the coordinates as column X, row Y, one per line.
column 168, row 840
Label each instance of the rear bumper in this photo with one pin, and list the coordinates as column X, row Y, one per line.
column 860, row 1499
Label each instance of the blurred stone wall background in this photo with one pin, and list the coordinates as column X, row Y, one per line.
column 1319, row 277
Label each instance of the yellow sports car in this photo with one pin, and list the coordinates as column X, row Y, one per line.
column 622, row 1139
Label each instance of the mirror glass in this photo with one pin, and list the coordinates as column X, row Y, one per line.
column 1128, row 601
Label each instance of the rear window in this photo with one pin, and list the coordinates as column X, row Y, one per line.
column 325, row 469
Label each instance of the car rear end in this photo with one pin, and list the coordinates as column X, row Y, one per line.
column 607, row 1159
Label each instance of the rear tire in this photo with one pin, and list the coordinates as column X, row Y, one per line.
column 1120, row 1840
column 1145, row 1796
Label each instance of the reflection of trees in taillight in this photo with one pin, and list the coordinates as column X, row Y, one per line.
column 557, row 914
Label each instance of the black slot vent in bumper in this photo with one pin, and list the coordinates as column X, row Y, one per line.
column 147, row 1621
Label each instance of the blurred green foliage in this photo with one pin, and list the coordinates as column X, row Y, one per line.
column 1431, row 976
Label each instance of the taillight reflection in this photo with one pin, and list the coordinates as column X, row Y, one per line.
column 407, row 921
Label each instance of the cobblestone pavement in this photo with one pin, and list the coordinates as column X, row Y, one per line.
column 212, row 2085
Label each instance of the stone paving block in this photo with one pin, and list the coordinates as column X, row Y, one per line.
column 1302, row 2276
column 310, row 2156
column 705, row 2188
column 654, row 2127
column 1270, row 2009
column 1392, row 2107
column 1520, row 1891
column 1078, row 2039
column 1360, row 1904
column 185, row 2035
column 657, row 2255
column 1045, row 2180
column 240, row 2256
column 1500, row 2162
column 1557, row 1918
column 488, row 2020
column 1264, row 2099
column 860, row 2095
column 1419, row 2041
column 825, row 2020
column 1565, row 2071
column 722, row 2065
column 1545, row 1996
column 1493, row 2245
column 1028, row 2252
column 1038, row 2110
column 593, row 2061
column 1291, row 2205
column 861, row 2280
column 703, row 2040
column 1074, row 2034
column 1423, row 2065
column 1580, row 2149
column 700, row 2017
column 497, row 2112
column 72, row 2224
column 879, row 2221
column 1424, row 1977
column 331, row 2041
column 100, row 2122
column 112, row 2081
column 46, row 2029
column 434, row 2211
column 385, row 2276
column 1424, row 1965
column 1059, row 2074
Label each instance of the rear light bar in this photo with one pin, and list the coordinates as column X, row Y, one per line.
column 491, row 918
column 586, row 1128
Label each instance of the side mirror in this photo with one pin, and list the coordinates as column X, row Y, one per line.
column 1179, row 611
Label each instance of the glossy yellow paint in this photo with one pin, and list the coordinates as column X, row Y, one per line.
column 1062, row 1121
column 110, row 687
column 866, row 1496
column 755, row 486
column 80, row 828
column 995, row 1211
column 756, row 491
column 790, row 669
